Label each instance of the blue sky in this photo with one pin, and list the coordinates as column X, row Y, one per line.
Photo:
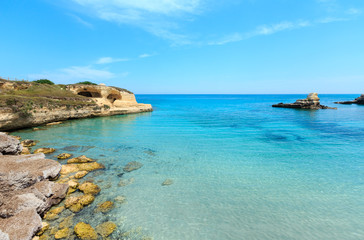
column 187, row 46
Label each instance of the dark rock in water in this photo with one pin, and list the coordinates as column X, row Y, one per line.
column 9, row 145
column 26, row 193
column 311, row 102
column 131, row 166
column 359, row 100
column 150, row 152
column 72, row 148
column 120, row 175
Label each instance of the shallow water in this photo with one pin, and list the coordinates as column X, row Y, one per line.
column 240, row 168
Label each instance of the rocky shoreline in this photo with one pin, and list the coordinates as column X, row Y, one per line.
column 311, row 102
column 358, row 100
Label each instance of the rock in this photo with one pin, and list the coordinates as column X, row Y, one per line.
column 359, row 100
column 63, row 233
column 67, row 222
column 89, row 188
column 105, row 207
column 53, row 123
column 126, row 182
column 63, row 156
column 76, row 204
column 22, row 226
column 167, row 182
column 311, row 102
column 54, row 213
column 45, row 227
column 120, row 199
column 29, row 143
column 132, row 166
column 25, row 151
column 106, row 229
column 80, row 159
column 72, row 186
column 85, row 232
column 80, row 174
column 9, row 145
column 71, row 168
column 44, row 150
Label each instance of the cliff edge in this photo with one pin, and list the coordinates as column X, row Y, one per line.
column 29, row 104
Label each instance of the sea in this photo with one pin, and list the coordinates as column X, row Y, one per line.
column 239, row 168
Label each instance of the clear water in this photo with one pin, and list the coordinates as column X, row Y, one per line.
column 241, row 169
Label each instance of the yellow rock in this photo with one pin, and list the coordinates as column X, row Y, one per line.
column 76, row 204
column 80, row 159
column 80, row 174
column 85, row 232
column 67, row 222
column 64, row 156
column 63, row 233
column 44, row 150
column 86, row 199
column 53, row 230
column 105, row 207
column 28, row 143
column 89, row 188
column 44, row 237
column 53, row 123
column 71, row 168
column 35, row 238
column 106, row 228
column 45, row 227
column 53, row 214
column 25, row 151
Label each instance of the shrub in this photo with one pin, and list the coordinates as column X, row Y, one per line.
column 87, row 83
column 44, row 81
column 106, row 107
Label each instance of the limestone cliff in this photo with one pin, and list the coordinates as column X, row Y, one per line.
column 28, row 105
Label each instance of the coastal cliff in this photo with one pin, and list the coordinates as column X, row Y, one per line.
column 26, row 104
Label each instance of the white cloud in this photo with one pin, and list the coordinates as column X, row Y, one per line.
column 354, row 11
column 106, row 60
column 75, row 74
column 145, row 55
column 159, row 17
column 81, row 21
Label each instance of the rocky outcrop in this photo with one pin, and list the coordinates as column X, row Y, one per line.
column 26, row 193
column 359, row 100
column 101, row 101
column 9, row 145
column 311, row 102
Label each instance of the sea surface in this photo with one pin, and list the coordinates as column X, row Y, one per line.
column 240, row 168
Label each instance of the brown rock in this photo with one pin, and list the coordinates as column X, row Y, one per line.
column 80, row 159
column 132, row 166
column 29, row 143
column 53, row 123
column 45, row 227
column 72, row 168
column 76, row 204
column 105, row 207
column 53, row 214
column 89, row 188
column 63, row 233
column 9, row 145
column 105, row 229
column 63, row 156
column 23, row 225
column 25, row 151
column 44, row 150
column 81, row 174
column 85, row 231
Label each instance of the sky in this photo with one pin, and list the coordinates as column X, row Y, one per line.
column 187, row 46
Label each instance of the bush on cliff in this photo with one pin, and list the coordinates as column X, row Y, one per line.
column 44, row 81
column 87, row 83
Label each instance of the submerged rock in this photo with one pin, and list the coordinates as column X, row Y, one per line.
column 9, row 145
column 85, row 232
column 54, row 213
column 44, row 150
column 167, row 182
column 62, row 234
column 106, row 229
column 89, row 188
column 80, row 174
column 76, row 204
column 105, row 207
column 120, row 199
column 359, row 100
column 45, row 227
column 132, row 166
column 126, row 182
column 63, row 156
column 80, row 159
column 29, row 143
column 74, row 167
column 311, row 102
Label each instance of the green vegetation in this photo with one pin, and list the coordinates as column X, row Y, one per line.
column 44, row 81
column 87, row 83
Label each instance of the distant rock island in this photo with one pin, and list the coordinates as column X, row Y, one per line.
column 311, row 102
column 29, row 104
column 359, row 100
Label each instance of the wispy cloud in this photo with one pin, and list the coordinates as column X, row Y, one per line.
column 81, row 21
column 75, row 74
column 155, row 16
column 106, row 60
column 354, row 11
column 145, row 55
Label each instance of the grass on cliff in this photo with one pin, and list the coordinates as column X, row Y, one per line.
column 26, row 101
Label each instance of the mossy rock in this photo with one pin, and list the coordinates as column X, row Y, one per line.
column 105, row 207
column 63, row 156
column 62, row 234
column 89, row 188
column 80, row 159
column 106, row 229
column 85, row 232
column 44, row 150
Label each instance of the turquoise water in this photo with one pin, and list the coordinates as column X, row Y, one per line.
column 240, row 168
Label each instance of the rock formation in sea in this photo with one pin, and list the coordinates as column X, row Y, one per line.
column 26, row 192
column 27, row 104
column 311, row 102
column 358, row 100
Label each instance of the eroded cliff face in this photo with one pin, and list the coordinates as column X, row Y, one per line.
column 101, row 101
